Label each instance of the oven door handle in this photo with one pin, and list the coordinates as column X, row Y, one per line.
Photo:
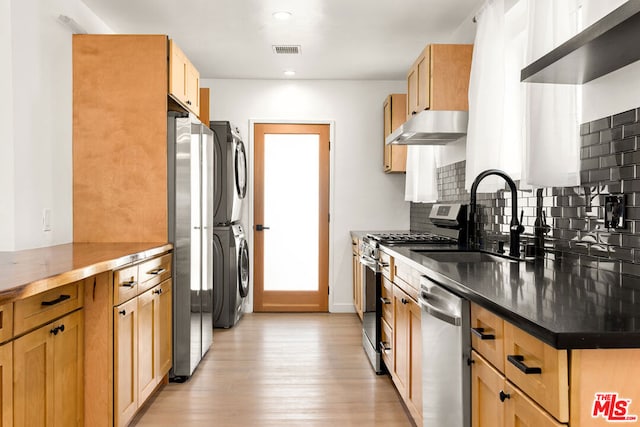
column 438, row 312
column 370, row 263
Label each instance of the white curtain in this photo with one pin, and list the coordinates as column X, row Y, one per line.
column 493, row 118
column 421, row 179
column 529, row 130
column 552, row 146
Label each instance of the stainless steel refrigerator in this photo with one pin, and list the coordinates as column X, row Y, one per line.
column 190, row 162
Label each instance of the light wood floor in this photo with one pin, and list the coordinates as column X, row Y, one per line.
column 282, row 370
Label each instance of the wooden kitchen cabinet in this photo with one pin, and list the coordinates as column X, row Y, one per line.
column 184, row 79
column 154, row 338
column 407, row 354
column 495, row 402
column 357, row 276
column 125, row 369
column 439, row 79
column 48, row 374
column 395, row 156
column 6, row 384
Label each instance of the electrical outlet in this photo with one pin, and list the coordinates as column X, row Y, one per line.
column 614, row 211
column 46, row 219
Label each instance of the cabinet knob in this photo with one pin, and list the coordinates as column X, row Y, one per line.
column 188, row 102
column 504, row 396
column 157, row 291
column 57, row 329
column 404, row 301
column 123, row 312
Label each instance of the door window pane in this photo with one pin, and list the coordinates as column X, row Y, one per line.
column 291, row 205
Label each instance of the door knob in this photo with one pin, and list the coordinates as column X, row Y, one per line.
column 260, row 227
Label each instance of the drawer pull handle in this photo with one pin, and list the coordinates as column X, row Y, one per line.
column 158, row 291
column 123, row 312
column 385, row 300
column 479, row 332
column 504, row 396
column 56, row 301
column 57, row 329
column 129, row 284
column 517, row 361
column 157, row 271
column 384, row 347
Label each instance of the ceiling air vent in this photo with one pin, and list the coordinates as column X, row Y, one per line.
column 286, row 49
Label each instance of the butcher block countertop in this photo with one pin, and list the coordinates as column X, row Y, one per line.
column 29, row 272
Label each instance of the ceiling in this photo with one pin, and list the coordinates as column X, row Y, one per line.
column 339, row 39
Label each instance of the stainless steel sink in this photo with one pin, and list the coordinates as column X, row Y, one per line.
column 462, row 256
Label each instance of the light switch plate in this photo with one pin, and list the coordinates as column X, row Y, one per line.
column 614, row 211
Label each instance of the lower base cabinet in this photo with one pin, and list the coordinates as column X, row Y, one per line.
column 6, row 384
column 407, row 352
column 495, row 402
column 48, row 374
column 142, row 348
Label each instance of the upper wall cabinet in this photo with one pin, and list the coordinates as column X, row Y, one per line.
column 184, row 79
column 439, row 79
column 395, row 156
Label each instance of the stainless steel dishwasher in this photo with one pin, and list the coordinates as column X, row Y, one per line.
column 446, row 347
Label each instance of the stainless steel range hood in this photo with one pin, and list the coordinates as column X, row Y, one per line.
column 430, row 127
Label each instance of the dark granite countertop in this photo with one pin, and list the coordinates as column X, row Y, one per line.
column 562, row 304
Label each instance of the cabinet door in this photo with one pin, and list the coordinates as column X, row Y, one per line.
column 424, row 80
column 193, row 88
column 412, row 91
column 415, row 359
column 177, row 72
column 486, row 384
column 6, row 384
column 125, row 370
column 49, row 375
column 165, row 322
column 401, row 340
column 147, row 330
column 395, row 156
column 520, row 411
column 357, row 284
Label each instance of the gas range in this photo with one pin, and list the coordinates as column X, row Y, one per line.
column 451, row 216
column 372, row 241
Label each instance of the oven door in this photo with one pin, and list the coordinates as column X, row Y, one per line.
column 371, row 310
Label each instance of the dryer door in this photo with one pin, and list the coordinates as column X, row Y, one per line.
column 240, row 167
column 243, row 268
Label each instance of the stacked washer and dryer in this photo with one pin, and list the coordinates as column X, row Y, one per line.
column 230, row 250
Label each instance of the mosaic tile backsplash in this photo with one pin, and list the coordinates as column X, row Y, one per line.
column 575, row 216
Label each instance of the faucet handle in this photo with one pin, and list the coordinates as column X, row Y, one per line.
column 518, row 227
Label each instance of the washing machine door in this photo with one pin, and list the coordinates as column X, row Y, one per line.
column 240, row 167
column 243, row 268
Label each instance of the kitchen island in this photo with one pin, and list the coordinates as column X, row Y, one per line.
column 85, row 331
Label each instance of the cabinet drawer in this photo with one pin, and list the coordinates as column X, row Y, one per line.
column 42, row 308
column 387, row 300
column 407, row 274
column 387, row 342
column 487, row 335
column 6, row 322
column 154, row 271
column 546, row 379
column 387, row 265
column 125, row 284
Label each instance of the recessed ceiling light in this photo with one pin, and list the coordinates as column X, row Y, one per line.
column 289, row 73
column 282, row 16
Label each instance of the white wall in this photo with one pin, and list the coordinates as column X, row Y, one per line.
column 36, row 152
column 362, row 196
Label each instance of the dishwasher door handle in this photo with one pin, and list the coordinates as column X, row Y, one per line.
column 438, row 312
